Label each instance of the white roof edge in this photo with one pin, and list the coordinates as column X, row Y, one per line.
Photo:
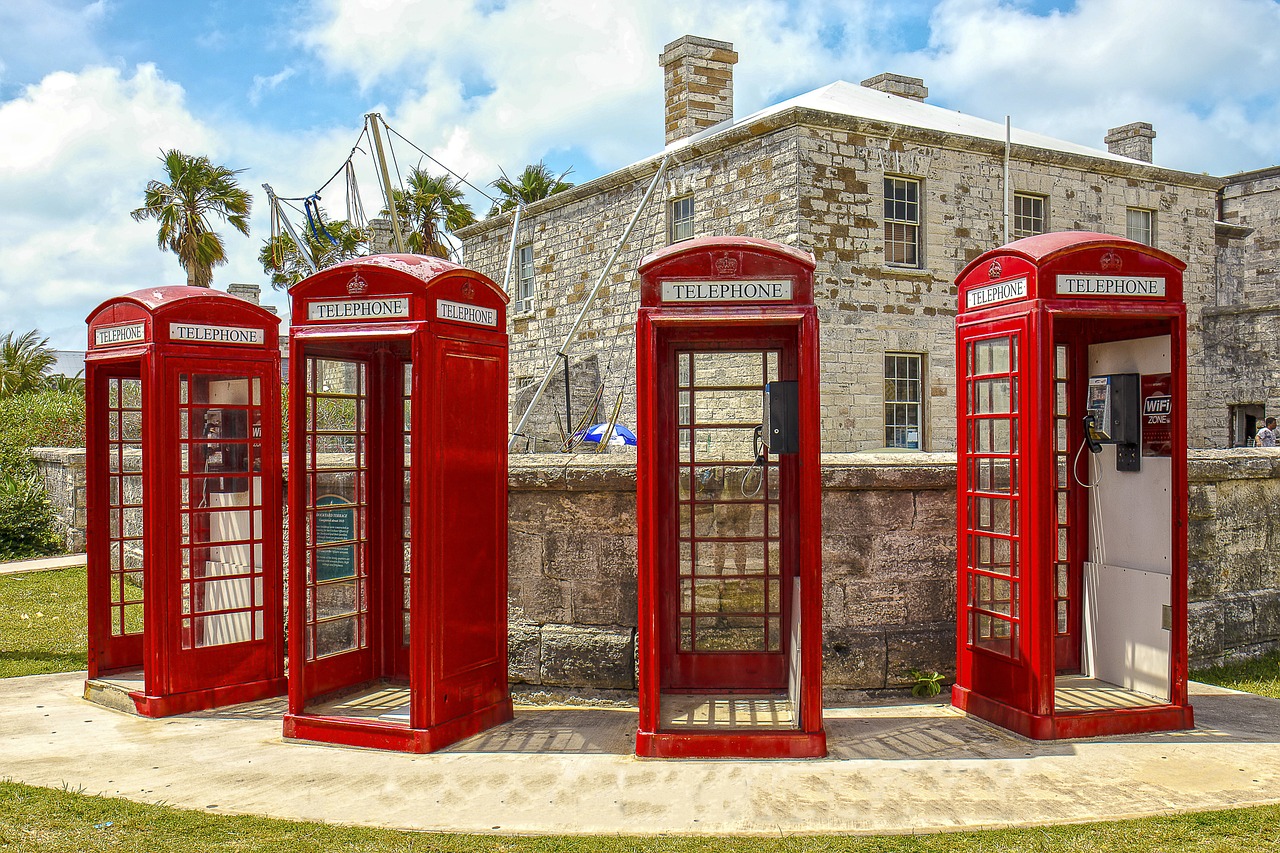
column 848, row 99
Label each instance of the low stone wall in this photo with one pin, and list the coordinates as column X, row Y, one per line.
column 889, row 574
column 62, row 469
column 1233, row 553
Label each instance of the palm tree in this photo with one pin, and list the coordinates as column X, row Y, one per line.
column 196, row 189
column 24, row 363
column 281, row 259
column 430, row 208
column 536, row 182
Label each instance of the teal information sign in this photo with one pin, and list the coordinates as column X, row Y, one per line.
column 335, row 522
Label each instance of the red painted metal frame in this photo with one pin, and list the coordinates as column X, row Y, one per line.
column 178, row 680
column 1018, row 692
column 792, row 326
column 457, row 662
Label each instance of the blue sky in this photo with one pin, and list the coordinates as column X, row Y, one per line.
column 90, row 92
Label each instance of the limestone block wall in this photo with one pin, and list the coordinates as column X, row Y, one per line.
column 1242, row 326
column 1233, row 554
column 62, row 469
column 737, row 191
column 868, row 308
column 815, row 181
column 888, row 545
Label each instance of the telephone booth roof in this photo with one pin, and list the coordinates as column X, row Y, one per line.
column 1070, row 265
column 383, row 289
column 726, row 259
column 179, row 314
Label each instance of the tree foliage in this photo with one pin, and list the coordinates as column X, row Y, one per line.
column 429, row 208
column 281, row 259
column 24, row 363
column 535, row 183
column 194, row 191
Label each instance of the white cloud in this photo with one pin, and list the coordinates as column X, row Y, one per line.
column 1202, row 73
column 266, row 84
column 76, row 150
column 484, row 86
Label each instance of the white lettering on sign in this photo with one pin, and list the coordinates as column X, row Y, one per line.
column 194, row 334
column 1000, row 291
column 359, row 309
column 1110, row 285
column 114, row 336
column 726, row 291
column 462, row 313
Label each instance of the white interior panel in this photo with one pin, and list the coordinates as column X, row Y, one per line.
column 1125, row 641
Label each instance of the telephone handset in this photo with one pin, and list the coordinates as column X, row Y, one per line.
column 1091, row 435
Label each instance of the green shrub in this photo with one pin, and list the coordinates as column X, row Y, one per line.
column 47, row 418
column 26, row 519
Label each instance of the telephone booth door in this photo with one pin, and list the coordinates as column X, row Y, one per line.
column 184, row 497
column 728, row 503
column 1072, row 488
column 398, row 478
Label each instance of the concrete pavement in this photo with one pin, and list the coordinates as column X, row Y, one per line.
column 892, row 769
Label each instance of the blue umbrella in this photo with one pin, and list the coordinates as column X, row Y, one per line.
column 620, row 435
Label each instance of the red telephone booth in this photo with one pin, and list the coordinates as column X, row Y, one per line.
column 729, row 502
column 397, row 504
column 1071, row 370
column 182, row 389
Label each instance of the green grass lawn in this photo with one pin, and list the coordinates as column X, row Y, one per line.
column 42, row 629
column 1260, row 675
column 42, row 622
column 43, row 820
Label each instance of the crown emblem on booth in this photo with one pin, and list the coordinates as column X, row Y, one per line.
column 468, row 290
column 1111, row 262
column 726, row 265
column 994, row 270
column 357, row 285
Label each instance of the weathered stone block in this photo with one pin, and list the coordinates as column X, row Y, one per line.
column 524, row 652
column 588, row 657
column 853, row 659
column 930, row 648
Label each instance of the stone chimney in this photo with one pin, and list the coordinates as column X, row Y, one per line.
column 911, row 88
column 1131, row 140
column 247, row 292
column 698, row 83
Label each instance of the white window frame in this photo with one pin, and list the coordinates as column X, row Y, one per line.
column 903, row 223
column 680, row 219
column 525, row 284
column 1028, row 223
column 904, row 399
column 1145, row 235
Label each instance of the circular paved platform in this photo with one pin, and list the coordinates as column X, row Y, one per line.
column 906, row 768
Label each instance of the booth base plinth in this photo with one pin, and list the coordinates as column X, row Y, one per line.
column 1075, row 724
column 727, row 744
column 123, row 692
column 372, row 733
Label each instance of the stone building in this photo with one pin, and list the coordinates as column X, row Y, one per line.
column 892, row 195
column 1242, row 322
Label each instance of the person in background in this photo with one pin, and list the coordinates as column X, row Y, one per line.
column 1267, row 435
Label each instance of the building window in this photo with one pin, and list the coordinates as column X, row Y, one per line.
column 524, row 280
column 1028, row 215
column 681, row 227
column 1140, row 225
column 903, row 401
column 902, row 222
